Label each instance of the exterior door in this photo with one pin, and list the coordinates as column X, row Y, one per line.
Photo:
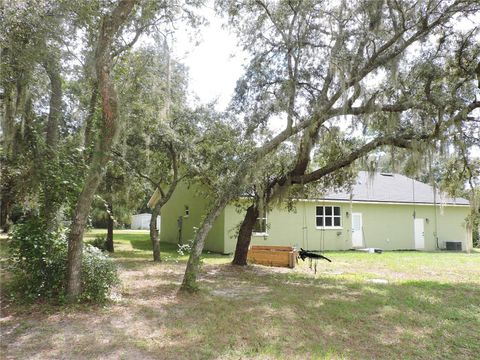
column 357, row 230
column 419, row 232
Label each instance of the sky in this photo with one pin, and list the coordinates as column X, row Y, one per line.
column 215, row 61
column 215, row 64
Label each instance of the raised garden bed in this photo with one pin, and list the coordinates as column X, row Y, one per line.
column 280, row 256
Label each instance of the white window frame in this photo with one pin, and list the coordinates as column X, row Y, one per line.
column 265, row 233
column 333, row 216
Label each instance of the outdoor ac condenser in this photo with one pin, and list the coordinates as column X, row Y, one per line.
column 453, row 245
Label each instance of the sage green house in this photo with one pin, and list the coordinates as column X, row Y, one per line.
column 387, row 211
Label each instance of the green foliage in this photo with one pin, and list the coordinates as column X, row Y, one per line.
column 99, row 274
column 61, row 177
column 476, row 235
column 297, row 60
column 185, row 249
column 99, row 242
column 38, row 262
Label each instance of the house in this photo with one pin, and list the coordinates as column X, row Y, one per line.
column 383, row 210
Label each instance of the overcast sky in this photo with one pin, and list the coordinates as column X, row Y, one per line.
column 214, row 64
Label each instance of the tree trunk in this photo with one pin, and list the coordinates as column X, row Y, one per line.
column 8, row 130
column 245, row 235
column 189, row 283
column 154, row 232
column 52, row 67
column 50, row 206
column 11, row 148
column 29, row 140
column 103, row 63
column 89, row 121
column 8, row 123
column 4, row 212
column 109, row 209
column 109, row 241
column 75, row 237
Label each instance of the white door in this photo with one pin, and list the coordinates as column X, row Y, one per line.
column 357, row 230
column 419, row 232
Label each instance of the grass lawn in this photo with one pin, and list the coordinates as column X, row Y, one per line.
column 395, row 305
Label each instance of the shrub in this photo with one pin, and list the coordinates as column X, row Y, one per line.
column 38, row 262
column 99, row 242
column 476, row 237
column 99, row 274
column 184, row 249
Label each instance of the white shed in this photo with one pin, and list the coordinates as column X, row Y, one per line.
column 142, row 221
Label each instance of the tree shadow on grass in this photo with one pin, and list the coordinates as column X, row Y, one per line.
column 139, row 243
column 142, row 254
column 258, row 313
column 284, row 316
column 168, row 251
column 280, row 316
column 288, row 317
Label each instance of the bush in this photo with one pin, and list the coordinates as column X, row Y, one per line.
column 99, row 274
column 38, row 262
column 476, row 237
column 99, row 242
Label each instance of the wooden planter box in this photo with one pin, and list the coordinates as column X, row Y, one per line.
column 281, row 256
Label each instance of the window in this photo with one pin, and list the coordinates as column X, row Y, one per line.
column 187, row 211
column 328, row 217
column 260, row 227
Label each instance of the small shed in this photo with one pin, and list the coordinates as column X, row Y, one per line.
column 142, row 221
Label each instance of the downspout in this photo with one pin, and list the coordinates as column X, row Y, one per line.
column 434, row 182
column 351, row 221
column 435, row 233
column 413, row 199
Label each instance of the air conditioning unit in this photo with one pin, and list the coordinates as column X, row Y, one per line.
column 453, row 245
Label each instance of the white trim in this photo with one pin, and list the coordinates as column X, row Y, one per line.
column 259, row 234
column 326, row 201
column 329, row 227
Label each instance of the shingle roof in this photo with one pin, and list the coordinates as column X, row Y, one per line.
column 396, row 188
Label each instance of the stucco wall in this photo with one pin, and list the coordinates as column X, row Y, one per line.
column 452, row 225
column 386, row 226
column 189, row 196
column 287, row 229
column 391, row 227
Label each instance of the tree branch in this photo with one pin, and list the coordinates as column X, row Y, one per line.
column 404, row 142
